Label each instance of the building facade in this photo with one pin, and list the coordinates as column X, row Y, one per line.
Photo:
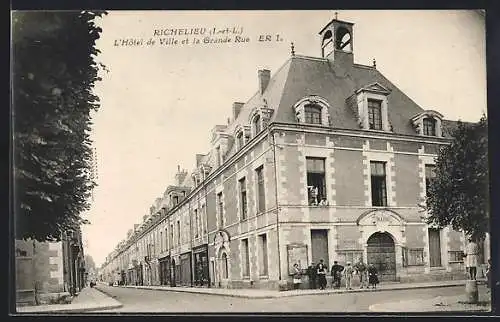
column 47, row 268
column 328, row 160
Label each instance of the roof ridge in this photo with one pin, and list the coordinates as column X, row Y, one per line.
column 309, row 57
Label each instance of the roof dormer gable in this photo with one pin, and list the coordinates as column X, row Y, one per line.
column 428, row 123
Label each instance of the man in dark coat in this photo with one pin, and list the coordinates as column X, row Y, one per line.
column 336, row 274
column 321, row 271
column 311, row 273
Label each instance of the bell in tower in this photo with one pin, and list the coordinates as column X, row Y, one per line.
column 337, row 42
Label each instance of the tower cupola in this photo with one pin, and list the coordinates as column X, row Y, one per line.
column 337, row 42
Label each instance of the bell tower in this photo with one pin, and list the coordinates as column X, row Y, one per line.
column 337, row 42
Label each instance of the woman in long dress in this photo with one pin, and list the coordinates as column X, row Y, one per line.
column 297, row 276
column 372, row 276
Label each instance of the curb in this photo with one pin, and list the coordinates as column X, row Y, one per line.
column 458, row 283
column 205, row 293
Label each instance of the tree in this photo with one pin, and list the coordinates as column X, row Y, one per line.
column 458, row 196
column 89, row 263
column 54, row 71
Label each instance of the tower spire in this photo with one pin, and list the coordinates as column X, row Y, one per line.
column 293, row 49
column 336, row 15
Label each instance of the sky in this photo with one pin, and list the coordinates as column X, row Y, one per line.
column 160, row 101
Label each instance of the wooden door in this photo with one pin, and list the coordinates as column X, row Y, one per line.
column 319, row 246
column 186, row 270
column 381, row 252
column 434, row 247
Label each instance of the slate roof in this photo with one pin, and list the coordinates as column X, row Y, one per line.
column 302, row 76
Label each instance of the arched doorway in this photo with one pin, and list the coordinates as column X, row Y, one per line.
column 381, row 253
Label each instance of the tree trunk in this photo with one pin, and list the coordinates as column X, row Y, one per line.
column 471, row 292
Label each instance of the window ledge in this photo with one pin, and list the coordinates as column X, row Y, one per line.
column 246, row 277
column 378, row 131
column 456, row 262
column 263, row 277
column 438, row 268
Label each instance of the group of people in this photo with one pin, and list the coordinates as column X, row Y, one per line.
column 367, row 275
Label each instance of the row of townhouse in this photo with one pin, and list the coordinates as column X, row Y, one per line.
column 328, row 160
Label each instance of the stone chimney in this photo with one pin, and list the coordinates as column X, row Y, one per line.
column 180, row 176
column 264, row 77
column 144, row 217
column 136, row 226
column 198, row 159
column 237, row 106
column 129, row 233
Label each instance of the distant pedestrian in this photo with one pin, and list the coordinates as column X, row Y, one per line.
column 362, row 272
column 372, row 275
column 472, row 253
column 348, row 272
column 311, row 274
column 321, row 272
column 297, row 276
column 336, row 274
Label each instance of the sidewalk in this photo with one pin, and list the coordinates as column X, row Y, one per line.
column 89, row 299
column 265, row 294
column 437, row 304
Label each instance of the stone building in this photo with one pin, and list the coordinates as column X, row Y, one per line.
column 50, row 268
column 327, row 160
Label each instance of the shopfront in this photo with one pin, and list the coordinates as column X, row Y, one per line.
column 165, row 278
column 201, row 270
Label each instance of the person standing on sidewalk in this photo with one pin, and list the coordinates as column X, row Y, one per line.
column 362, row 272
column 348, row 272
column 336, row 274
column 297, row 276
column 472, row 253
column 311, row 273
column 372, row 275
column 321, row 271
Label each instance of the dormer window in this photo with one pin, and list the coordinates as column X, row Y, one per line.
column 374, row 114
column 429, row 126
column 428, row 123
column 371, row 107
column 313, row 113
column 239, row 139
column 312, row 110
column 219, row 156
column 259, row 118
column 256, row 125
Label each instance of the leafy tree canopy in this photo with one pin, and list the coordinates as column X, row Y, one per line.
column 459, row 195
column 54, row 71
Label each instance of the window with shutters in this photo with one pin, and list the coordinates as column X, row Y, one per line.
column 220, row 209
column 243, row 198
column 263, row 264
column 261, row 194
column 245, row 258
